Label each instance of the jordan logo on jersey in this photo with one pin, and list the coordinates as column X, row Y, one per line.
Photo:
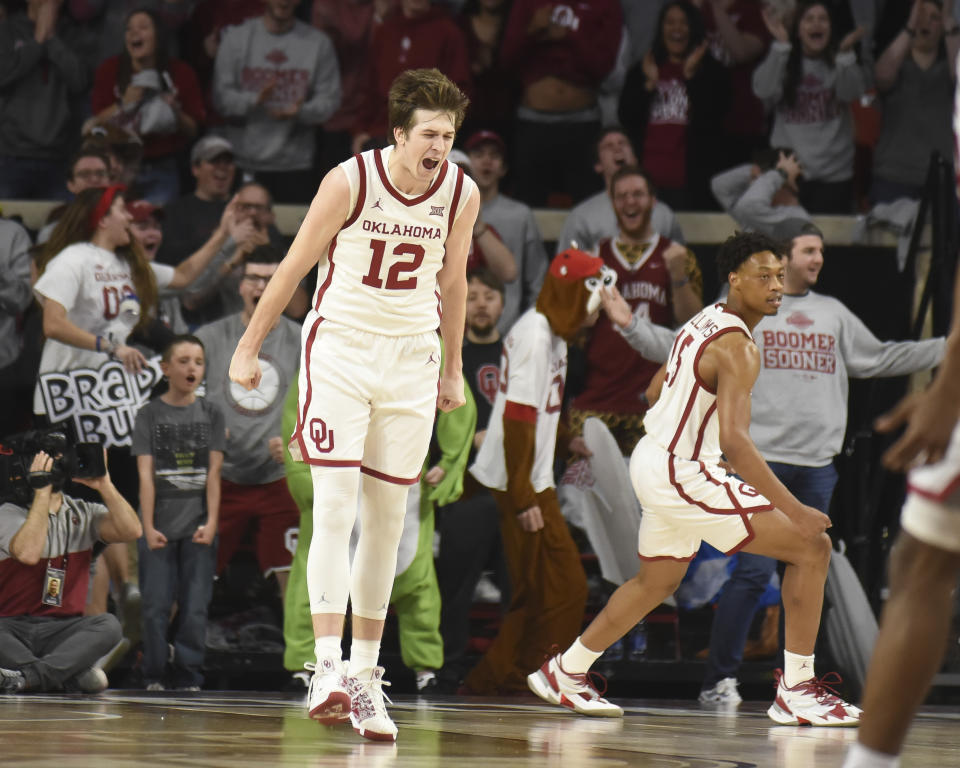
column 437, row 210
column 432, row 359
column 377, row 204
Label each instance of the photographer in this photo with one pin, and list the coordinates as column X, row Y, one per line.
column 46, row 644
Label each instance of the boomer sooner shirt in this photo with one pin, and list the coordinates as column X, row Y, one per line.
column 380, row 275
column 808, row 351
column 684, row 419
column 533, row 371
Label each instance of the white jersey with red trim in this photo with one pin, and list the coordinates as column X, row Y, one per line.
column 381, row 271
column 684, row 418
column 533, row 371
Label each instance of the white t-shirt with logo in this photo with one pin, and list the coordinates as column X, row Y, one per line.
column 90, row 282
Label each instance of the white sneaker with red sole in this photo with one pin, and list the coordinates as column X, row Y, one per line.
column 813, row 702
column 328, row 696
column 368, row 712
column 576, row 692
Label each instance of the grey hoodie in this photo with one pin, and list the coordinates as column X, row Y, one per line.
column 303, row 64
column 818, row 126
column 36, row 80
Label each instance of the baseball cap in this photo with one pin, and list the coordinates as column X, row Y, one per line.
column 141, row 210
column 486, row 137
column 573, row 264
column 787, row 231
column 459, row 157
column 210, row 147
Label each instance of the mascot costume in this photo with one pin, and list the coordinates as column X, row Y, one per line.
column 516, row 463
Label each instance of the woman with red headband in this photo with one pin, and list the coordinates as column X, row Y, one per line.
column 94, row 280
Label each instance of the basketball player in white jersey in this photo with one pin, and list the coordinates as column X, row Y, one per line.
column 391, row 229
column 702, row 410
column 925, row 561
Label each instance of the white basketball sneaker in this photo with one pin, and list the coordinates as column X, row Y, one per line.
column 328, row 696
column 813, row 702
column 576, row 692
column 724, row 692
column 368, row 712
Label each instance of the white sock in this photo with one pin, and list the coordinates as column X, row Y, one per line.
column 363, row 657
column 796, row 668
column 860, row 756
column 577, row 659
column 327, row 647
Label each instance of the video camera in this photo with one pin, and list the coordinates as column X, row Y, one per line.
column 70, row 459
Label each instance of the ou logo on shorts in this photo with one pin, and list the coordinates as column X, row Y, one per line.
column 322, row 437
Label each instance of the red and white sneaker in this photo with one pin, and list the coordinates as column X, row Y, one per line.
column 328, row 696
column 813, row 702
column 576, row 692
column 368, row 712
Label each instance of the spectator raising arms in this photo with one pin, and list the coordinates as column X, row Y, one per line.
column 810, row 80
column 672, row 102
column 155, row 96
column 915, row 78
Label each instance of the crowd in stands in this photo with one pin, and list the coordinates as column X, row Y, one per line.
column 168, row 130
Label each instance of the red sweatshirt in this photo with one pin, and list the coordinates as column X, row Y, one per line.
column 584, row 56
column 430, row 40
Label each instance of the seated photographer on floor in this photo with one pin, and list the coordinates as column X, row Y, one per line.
column 46, row 538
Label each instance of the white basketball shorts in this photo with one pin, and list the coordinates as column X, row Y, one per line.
column 367, row 400
column 931, row 512
column 685, row 502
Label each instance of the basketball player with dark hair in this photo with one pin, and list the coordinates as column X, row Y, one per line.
column 701, row 409
column 390, row 229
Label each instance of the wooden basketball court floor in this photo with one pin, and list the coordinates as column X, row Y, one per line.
column 236, row 730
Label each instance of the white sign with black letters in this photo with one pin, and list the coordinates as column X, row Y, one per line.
column 102, row 403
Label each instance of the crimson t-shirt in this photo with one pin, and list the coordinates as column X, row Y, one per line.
column 665, row 141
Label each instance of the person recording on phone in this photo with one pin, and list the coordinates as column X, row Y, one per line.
column 46, row 542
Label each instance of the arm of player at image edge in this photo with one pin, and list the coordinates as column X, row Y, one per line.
column 930, row 416
column 452, row 281
column 325, row 217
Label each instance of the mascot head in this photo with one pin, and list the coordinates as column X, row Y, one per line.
column 570, row 295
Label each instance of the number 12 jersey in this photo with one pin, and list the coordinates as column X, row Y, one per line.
column 381, row 271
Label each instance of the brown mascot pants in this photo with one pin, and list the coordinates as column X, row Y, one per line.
column 549, row 596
